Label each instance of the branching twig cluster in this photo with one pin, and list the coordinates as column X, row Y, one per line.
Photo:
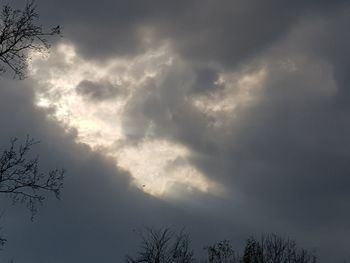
column 158, row 246
column 221, row 252
column 164, row 246
column 273, row 248
column 21, row 179
column 19, row 33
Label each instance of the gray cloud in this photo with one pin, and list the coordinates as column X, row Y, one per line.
column 98, row 91
column 283, row 156
column 228, row 32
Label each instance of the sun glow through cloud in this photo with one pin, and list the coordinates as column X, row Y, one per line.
column 94, row 97
column 155, row 164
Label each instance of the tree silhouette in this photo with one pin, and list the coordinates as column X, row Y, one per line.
column 21, row 179
column 221, row 252
column 19, row 175
column 163, row 246
column 275, row 249
column 20, row 33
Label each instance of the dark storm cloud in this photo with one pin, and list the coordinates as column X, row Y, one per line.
column 285, row 160
column 225, row 32
column 98, row 91
column 331, row 43
column 288, row 155
column 205, row 79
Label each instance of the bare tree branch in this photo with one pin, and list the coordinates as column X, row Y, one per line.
column 19, row 33
column 222, row 252
column 275, row 249
column 21, row 179
column 163, row 246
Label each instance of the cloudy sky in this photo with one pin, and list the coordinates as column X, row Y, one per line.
column 228, row 117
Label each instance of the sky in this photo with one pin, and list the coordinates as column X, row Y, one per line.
column 227, row 117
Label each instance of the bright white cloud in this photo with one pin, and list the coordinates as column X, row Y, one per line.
column 156, row 165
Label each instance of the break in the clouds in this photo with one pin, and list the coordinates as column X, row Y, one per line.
column 118, row 126
column 233, row 114
column 143, row 127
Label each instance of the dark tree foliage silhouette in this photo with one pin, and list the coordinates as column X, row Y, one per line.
column 19, row 34
column 163, row 246
column 21, row 179
column 275, row 249
column 221, row 252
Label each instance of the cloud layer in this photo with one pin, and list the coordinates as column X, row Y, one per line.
column 227, row 117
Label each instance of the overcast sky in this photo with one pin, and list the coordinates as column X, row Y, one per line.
column 228, row 117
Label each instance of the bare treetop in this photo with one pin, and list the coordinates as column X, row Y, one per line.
column 20, row 33
column 163, row 246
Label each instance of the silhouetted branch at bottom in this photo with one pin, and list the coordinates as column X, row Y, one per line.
column 165, row 246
